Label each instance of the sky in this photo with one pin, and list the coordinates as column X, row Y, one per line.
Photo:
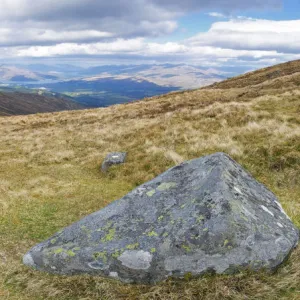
column 210, row 33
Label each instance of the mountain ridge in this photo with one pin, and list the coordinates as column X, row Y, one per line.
column 17, row 74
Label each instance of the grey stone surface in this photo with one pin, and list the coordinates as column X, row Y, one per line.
column 205, row 215
column 113, row 158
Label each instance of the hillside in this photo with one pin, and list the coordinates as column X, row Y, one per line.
column 49, row 176
column 262, row 75
column 23, row 103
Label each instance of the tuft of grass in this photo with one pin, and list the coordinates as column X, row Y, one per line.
column 50, row 177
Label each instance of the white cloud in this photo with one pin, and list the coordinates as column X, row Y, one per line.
column 230, row 53
column 136, row 46
column 125, row 19
column 11, row 37
column 216, row 15
column 281, row 36
column 108, row 48
column 234, row 39
column 56, row 9
column 141, row 47
column 53, row 21
column 165, row 49
column 69, row 28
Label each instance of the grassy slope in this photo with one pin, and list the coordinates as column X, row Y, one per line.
column 262, row 75
column 20, row 103
column 49, row 177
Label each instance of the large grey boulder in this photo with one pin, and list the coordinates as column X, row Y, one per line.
column 113, row 158
column 205, row 215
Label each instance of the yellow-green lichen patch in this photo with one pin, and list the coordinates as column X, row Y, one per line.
column 151, row 193
column 153, row 250
column 195, row 237
column 53, row 241
column 152, row 233
column 71, row 253
column 117, row 253
column 102, row 255
column 76, row 249
column 226, row 242
column 166, row 186
column 160, row 218
column 211, row 205
column 200, row 219
column 182, row 206
column 244, row 218
column 109, row 236
column 132, row 246
column 59, row 250
column 186, row 248
column 107, row 225
column 165, row 234
column 205, row 229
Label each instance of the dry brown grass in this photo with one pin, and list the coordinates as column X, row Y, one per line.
column 288, row 70
column 49, row 177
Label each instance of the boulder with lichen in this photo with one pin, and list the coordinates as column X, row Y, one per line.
column 202, row 216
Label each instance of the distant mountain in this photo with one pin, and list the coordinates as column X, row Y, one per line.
column 177, row 75
column 17, row 74
column 172, row 75
column 101, row 86
column 116, row 69
column 59, row 68
column 14, row 102
column 105, row 90
column 62, row 71
column 181, row 75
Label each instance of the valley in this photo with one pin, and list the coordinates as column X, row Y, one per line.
column 102, row 86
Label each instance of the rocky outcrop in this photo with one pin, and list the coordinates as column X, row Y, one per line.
column 114, row 158
column 205, row 215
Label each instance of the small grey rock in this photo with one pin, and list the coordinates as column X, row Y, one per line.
column 205, row 215
column 113, row 158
